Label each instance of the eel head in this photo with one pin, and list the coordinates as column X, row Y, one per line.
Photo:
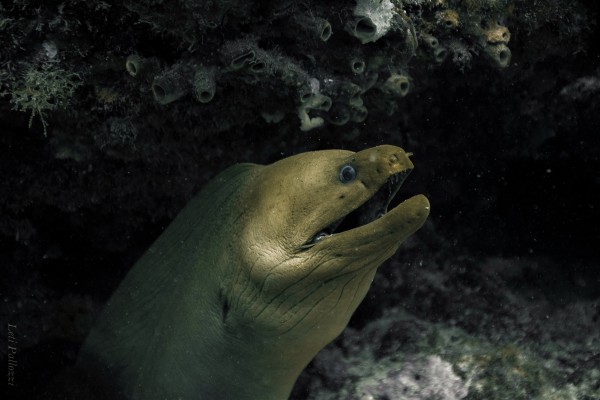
column 317, row 227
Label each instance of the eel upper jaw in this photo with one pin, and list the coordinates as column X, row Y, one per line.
column 374, row 208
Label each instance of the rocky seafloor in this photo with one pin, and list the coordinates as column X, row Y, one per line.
column 112, row 115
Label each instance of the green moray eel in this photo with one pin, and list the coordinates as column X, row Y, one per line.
column 260, row 271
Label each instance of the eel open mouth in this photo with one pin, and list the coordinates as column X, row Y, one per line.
column 374, row 208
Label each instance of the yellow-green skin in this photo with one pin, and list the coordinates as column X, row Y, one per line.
column 230, row 302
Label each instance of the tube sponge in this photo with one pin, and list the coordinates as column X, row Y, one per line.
column 316, row 27
column 313, row 102
column 137, row 66
column 171, row 84
column 308, row 89
column 204, row 84
column 496, row 33
column 339, row 114
column 133, row 64
column 344, row 92
column 439, row 54
column 448, row 19
column 262, row 63
column 429, row 40
column 247, row 58
column 357, row 65
column 433, row 44
column 237, row 54
column 373, row 19
column 499, row 54
column 397, row 85
column 242, row 60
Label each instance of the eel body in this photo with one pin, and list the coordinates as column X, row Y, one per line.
column 257, row 273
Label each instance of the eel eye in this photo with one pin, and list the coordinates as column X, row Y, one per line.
column 347, row 173
column 320, row 236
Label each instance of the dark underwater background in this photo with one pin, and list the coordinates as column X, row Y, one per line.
column 114, row 114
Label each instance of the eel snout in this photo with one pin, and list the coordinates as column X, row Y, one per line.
column 382, row 170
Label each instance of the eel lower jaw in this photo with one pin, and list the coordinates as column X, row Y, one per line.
column 381, row 237
column 374, row 208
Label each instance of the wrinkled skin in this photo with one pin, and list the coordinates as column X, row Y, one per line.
column 236, row 296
